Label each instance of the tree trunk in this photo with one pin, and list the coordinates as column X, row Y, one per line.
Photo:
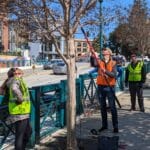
column 71, row 103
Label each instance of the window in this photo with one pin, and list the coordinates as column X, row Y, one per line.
column 58, row 38
column 84, row 44
column 50, row 47
column 84, row 49
column 79, row 44
column 78, row 49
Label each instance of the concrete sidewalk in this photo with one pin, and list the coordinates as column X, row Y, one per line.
column 134, row 127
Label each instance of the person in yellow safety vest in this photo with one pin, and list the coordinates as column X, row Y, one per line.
column 19, row 108
column 135, row 75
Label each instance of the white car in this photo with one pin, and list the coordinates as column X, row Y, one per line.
column 60, row 68
column 146, row 59
column 120, row 59
column 49, row 65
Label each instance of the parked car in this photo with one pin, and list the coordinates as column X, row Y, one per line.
column 120, row 59
column 146, row 59
column 60, row 68
column 49, row 65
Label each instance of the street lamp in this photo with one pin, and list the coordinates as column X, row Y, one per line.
column 101, row 27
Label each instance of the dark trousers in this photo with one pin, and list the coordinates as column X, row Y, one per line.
column 103, row 93
column 136, row 89
column 22, row 134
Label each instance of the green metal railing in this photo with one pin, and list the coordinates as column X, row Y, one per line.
column 48, row 110
column 48, row 105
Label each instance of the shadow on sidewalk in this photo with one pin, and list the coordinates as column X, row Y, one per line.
column 134, row 129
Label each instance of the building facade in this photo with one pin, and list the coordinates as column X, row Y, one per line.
column 43, row 49
column 4, row 34
column 46, row 50
column 82, row 47
column 39, row 49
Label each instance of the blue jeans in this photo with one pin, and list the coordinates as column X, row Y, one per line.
column 103, row 93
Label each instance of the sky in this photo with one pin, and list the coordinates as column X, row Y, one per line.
column 109, row 4
column 124, row 3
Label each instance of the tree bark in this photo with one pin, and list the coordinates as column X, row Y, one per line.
column 71, row 103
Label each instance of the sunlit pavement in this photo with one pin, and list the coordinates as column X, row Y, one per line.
column 134, row 126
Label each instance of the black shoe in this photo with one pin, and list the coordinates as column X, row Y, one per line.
column 142, row 110
column 115, row 130
column 102, row 129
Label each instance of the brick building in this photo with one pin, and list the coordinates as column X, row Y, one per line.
column 81, row 46
column 4, row 35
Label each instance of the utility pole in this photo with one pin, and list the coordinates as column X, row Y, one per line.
column 101, row 28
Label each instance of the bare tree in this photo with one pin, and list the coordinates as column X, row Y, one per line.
column 139, row 28
column 48, row 19
column 134, row 30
